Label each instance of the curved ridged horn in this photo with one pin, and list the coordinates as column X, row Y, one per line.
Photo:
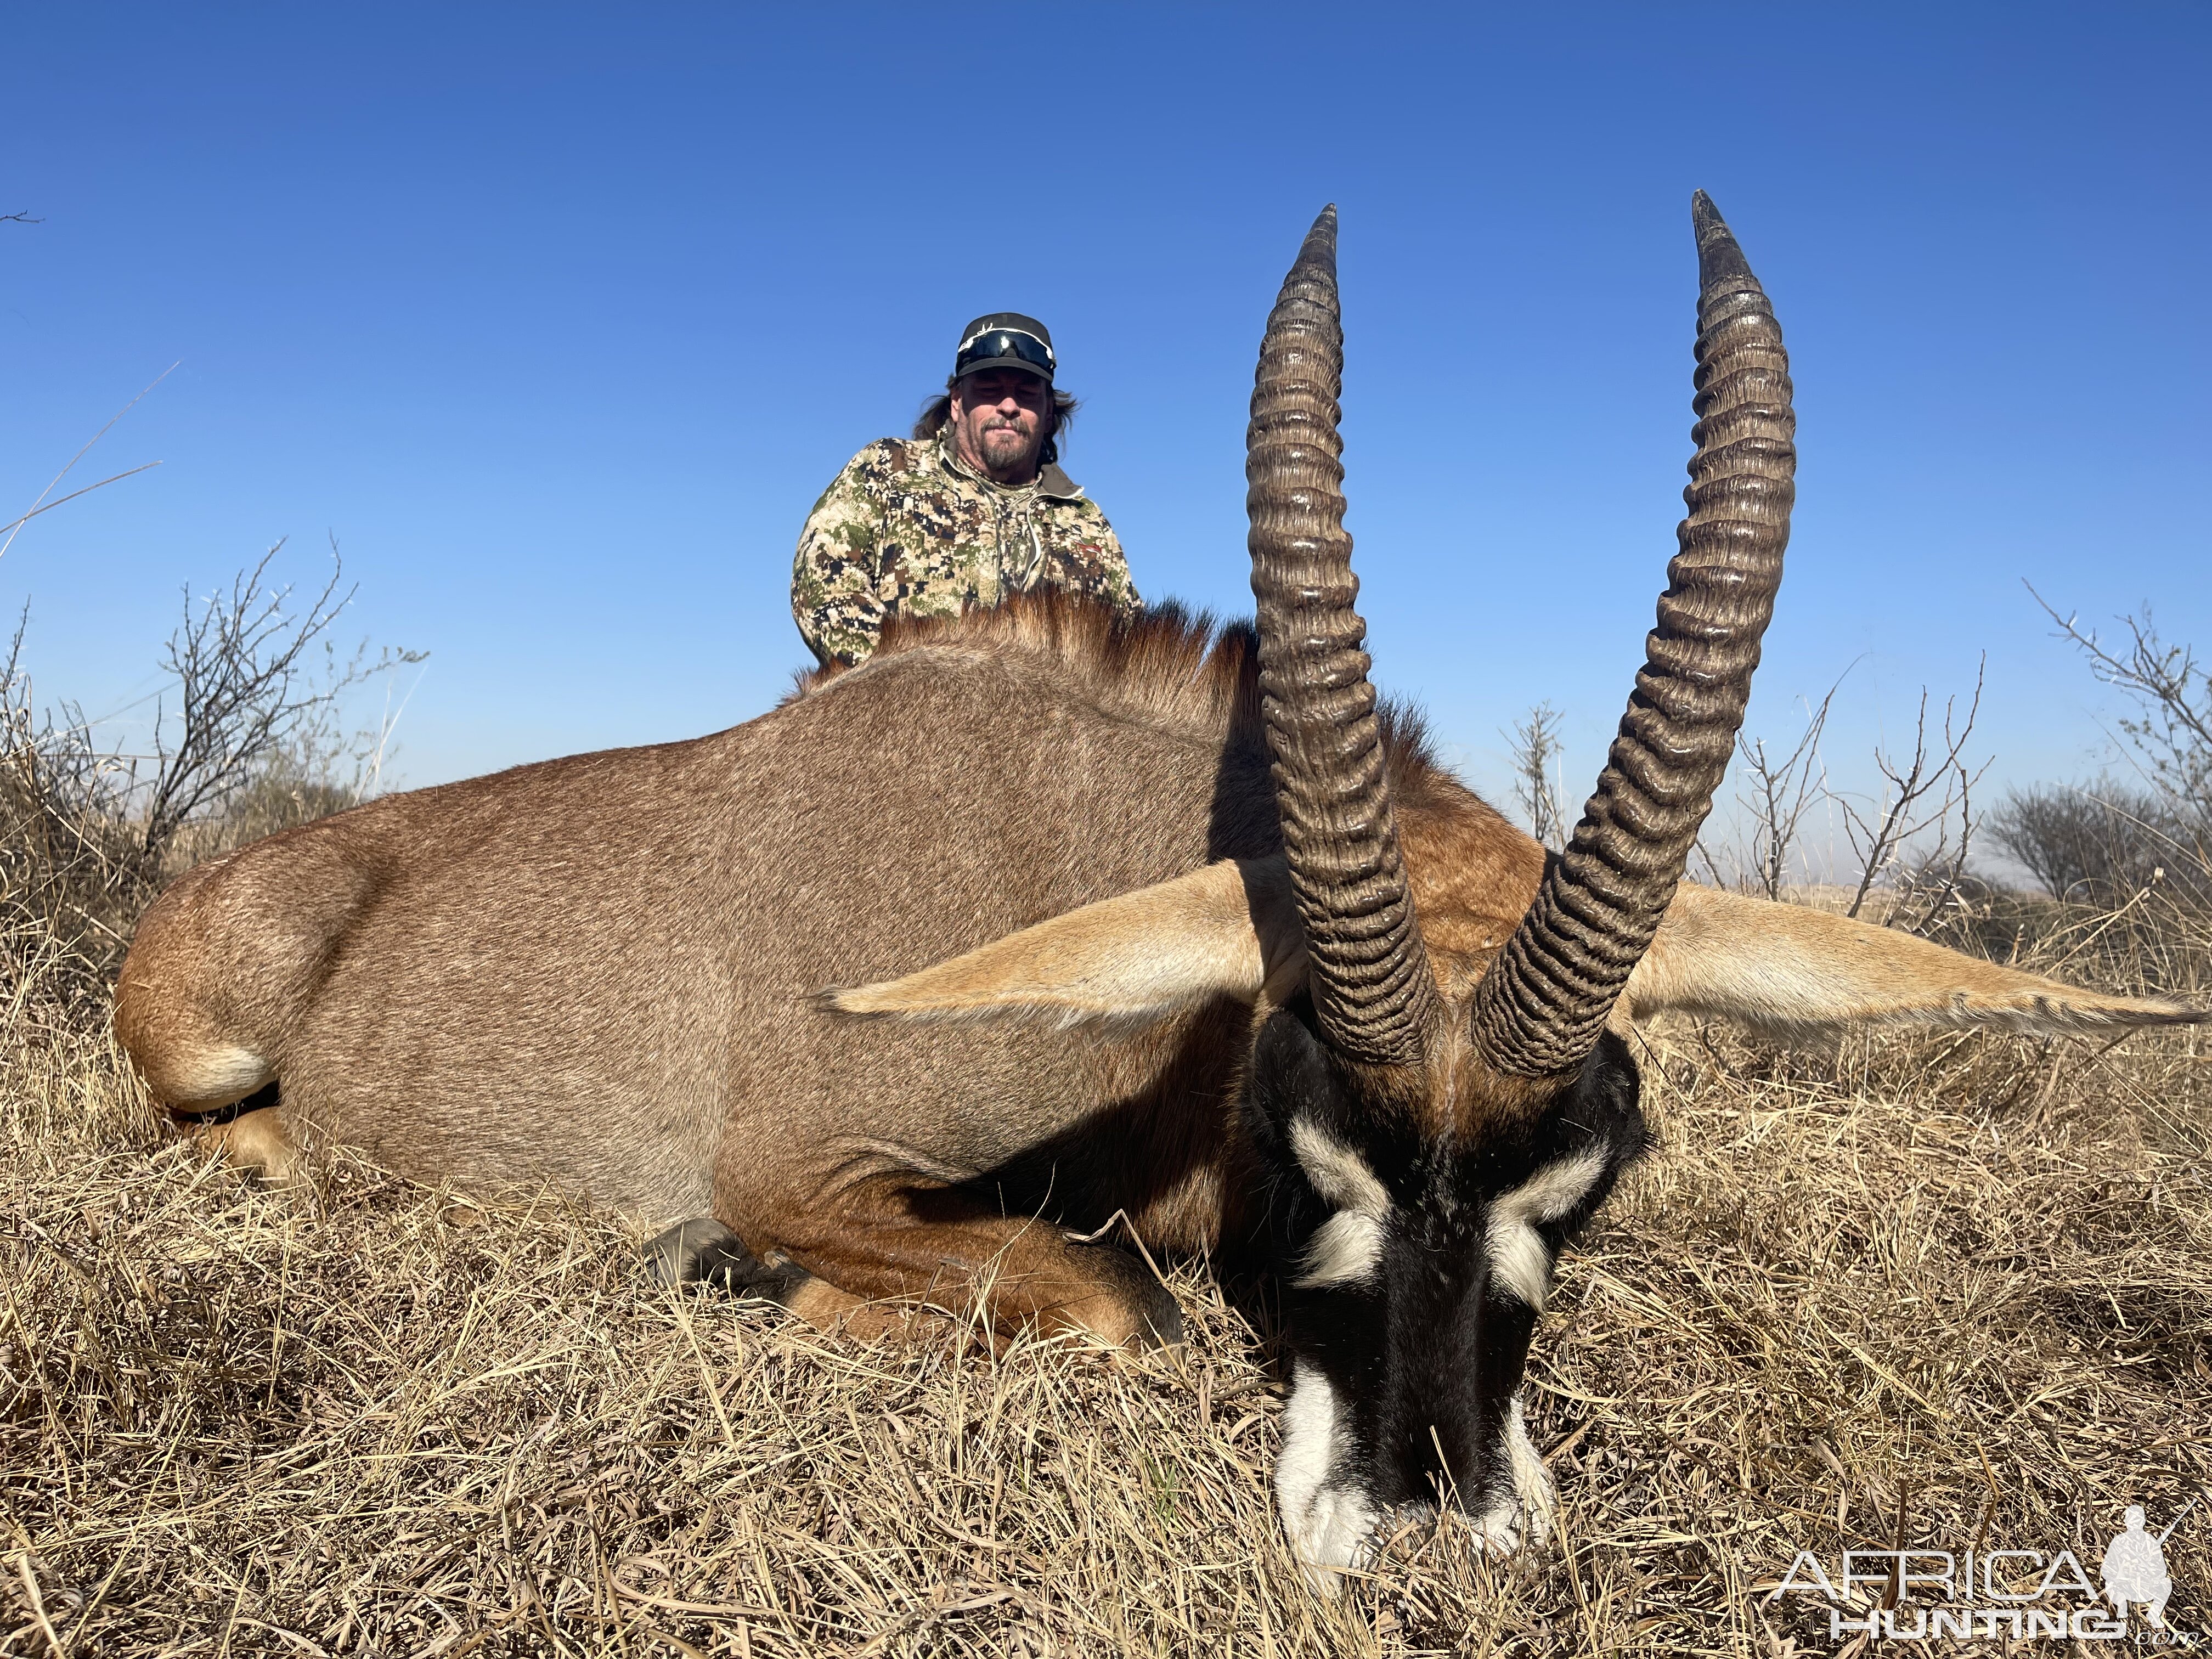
column 1372, row 989
column 1541, row 1008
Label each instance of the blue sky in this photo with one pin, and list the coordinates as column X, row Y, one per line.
column 559, row 318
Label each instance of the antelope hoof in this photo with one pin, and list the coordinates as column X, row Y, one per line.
column 1160, row 1320
column 1139, row 1312
column 247, row 1134
column 703, row 1251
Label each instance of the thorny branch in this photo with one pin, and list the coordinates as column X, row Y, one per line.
column 2174, row 732
column 1921, row 795
column 240, row 665
column 1930, row 790
column 1535, row 750
column 253, row 744
column 1779, row 794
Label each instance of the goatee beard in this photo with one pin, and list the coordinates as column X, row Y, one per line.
column 1004, row 448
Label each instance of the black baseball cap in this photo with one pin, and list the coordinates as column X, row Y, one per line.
column 1005, row 339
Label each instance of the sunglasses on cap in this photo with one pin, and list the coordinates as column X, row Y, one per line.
column 1003, row 347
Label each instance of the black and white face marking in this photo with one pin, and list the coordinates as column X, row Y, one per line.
column 1348, row 1247
column 1412, row 1276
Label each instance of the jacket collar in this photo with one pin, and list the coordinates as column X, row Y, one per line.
column 1050, row 480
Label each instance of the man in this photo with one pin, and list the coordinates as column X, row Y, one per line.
column 974, row 506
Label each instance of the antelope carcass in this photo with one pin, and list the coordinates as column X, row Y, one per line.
column 1043, row 916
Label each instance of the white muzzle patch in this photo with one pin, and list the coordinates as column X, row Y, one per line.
column 1330, row 1522
column 1522, row 1515
column 1333, row 1525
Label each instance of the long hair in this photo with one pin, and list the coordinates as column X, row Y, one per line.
column 939, row 409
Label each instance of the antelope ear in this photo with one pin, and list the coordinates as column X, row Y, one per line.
column 1230, row 929
column 1786, row 968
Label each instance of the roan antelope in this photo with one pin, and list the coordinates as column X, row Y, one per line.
column 1128, row 918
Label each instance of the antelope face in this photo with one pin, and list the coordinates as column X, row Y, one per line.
column 1440, row 1144
column 1412, row 1270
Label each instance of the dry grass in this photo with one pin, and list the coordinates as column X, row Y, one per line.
column 1956, row 1288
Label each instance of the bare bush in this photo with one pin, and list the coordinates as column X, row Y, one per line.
column 1929, row 793
column 67, row 894
column 1534, row 746
column 1779, row 794
column 2171, row 731
column 1909, row 840
column 2138, row 851
column 249, row 741
column 248, row 701
column 2099, row 842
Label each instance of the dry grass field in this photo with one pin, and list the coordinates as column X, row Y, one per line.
column 1935, row 1290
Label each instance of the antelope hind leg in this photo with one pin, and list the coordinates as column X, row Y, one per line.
column 250, row 1136
column 939, row 1246
column 705, row 1252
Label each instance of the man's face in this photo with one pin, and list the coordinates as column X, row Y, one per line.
column 999, row 423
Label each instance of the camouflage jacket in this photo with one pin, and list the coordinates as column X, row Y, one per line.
column 907, row 528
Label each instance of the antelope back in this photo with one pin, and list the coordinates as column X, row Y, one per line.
column 605, row 971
